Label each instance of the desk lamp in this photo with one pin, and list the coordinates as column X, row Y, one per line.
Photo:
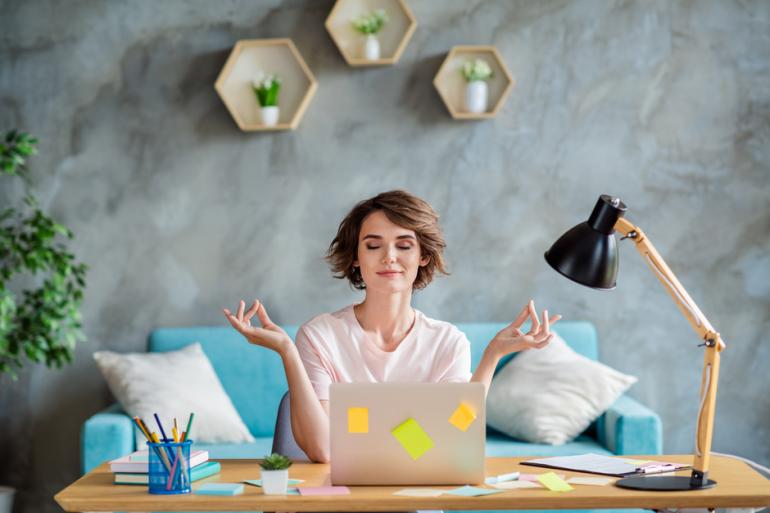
column 588, row 255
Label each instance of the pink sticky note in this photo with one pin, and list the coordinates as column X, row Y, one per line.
column 324, row 490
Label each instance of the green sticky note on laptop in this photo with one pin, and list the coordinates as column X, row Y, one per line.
column 413, row 438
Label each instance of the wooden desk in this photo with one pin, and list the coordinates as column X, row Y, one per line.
column 739, row 486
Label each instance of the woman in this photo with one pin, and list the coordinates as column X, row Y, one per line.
column 387, row 246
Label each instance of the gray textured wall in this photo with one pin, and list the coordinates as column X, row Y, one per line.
column 178, row 213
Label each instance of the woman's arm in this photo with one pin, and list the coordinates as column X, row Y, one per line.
column 309, row 417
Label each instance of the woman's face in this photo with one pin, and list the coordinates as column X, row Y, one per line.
column 388, row 255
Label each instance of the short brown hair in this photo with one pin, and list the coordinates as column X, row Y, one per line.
column 403, row 209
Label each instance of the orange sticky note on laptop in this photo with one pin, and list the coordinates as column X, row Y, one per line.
column 463, row 417
column 358, row 420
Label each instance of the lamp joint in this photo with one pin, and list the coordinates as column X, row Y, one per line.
column 631, row 235
column 698, row 479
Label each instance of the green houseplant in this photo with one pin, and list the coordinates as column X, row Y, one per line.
column 275, row 474
column 266, row 89
column 41, row 322
column 369, row 25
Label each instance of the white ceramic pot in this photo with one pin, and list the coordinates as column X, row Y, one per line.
column 275, row 482
column 6, row 499
column 270, row 115
column 476, row 93
column 371, row 47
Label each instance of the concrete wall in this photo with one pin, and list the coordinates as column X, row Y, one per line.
column 178, row 213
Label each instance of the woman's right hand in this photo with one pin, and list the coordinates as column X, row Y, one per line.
column 270, row 335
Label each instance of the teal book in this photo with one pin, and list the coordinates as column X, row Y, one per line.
column 196, row 473
column 220, row 489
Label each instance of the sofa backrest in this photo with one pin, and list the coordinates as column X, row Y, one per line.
column 254, row 379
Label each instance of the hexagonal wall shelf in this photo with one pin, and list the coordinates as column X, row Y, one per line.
column 393, row 37
column 270, row 56
column 450, row 83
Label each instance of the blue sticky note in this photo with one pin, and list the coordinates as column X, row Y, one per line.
column 472, row 491
column 220, row 489
column 292, row 491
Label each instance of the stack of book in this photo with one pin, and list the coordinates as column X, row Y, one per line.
column 133, row 469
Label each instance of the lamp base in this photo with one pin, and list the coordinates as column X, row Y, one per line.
column 663, row 483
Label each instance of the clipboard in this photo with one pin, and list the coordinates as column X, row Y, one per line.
column 616, row 466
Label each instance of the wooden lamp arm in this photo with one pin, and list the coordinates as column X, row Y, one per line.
column 712, row 341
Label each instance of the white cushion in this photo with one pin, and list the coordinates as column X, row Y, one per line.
column 174, row 384
column 551, row 395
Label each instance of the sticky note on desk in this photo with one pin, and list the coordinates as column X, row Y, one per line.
column 413, row 438
column 220, row 489
column 324, row 490
column 554, row 483
column 419, row 492
column 512, row 485
column 258, row 482
column 472, row 491
column 358, row 420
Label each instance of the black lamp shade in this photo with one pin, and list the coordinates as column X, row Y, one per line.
column 588, row 253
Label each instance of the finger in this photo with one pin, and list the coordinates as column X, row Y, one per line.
column 264, row 319
column 546, row 324
column 234, row 322
column 251, row 311
column 553, row 320
column 533, row 315
column 545, row 342
column 241, row 306
column 521, row 317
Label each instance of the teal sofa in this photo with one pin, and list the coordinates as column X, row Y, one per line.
column 255, row 381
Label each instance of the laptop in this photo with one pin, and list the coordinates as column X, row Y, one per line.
column 407, row 433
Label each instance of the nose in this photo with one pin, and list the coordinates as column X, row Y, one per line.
column 389, row 259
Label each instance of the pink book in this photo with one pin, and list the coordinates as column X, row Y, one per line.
column 324, row 490
column 133, row 464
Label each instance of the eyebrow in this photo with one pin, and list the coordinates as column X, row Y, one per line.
column 379, row 237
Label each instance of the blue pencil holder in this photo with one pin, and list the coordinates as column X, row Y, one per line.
column 169, row 467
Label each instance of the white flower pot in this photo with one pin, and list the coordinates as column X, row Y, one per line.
column 476, row 93
column 270, row 115
column 6, row 499
column 371, row 48
column 275, row 482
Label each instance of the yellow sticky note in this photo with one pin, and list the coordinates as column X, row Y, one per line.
column 463, row 417
column 358, row 420
column 637, row 462
column 414, row 439
column 554, row 483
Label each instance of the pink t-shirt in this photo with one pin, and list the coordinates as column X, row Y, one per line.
column 334, row 349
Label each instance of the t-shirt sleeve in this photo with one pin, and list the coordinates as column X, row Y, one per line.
column 455, row 363
column 315, row 366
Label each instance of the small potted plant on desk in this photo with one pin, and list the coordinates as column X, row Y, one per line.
column 275, row 474
column 266, row 89
column 476, row 73
column 370, row 25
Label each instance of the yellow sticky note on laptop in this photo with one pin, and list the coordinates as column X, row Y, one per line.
column 358, row 420
column 554, row 483
column 463, row 417
column 414, row 439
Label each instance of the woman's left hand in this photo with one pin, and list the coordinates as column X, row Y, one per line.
column 511, row 339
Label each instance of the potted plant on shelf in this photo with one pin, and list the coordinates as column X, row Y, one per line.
column 369, row 25
column 476, row 72
column 41, row 283
column 275, row 474
column 266, row 89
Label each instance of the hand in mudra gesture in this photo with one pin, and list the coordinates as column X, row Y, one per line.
column 270, row 335
column 511, row 339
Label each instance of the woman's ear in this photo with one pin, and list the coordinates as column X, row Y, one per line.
column 424, row 261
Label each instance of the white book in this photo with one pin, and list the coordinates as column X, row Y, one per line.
column 129, row 463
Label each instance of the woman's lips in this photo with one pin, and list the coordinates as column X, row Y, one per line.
column 389, row 274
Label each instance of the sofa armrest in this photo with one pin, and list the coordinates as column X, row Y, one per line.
column 629, row 427
column 107, row 435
